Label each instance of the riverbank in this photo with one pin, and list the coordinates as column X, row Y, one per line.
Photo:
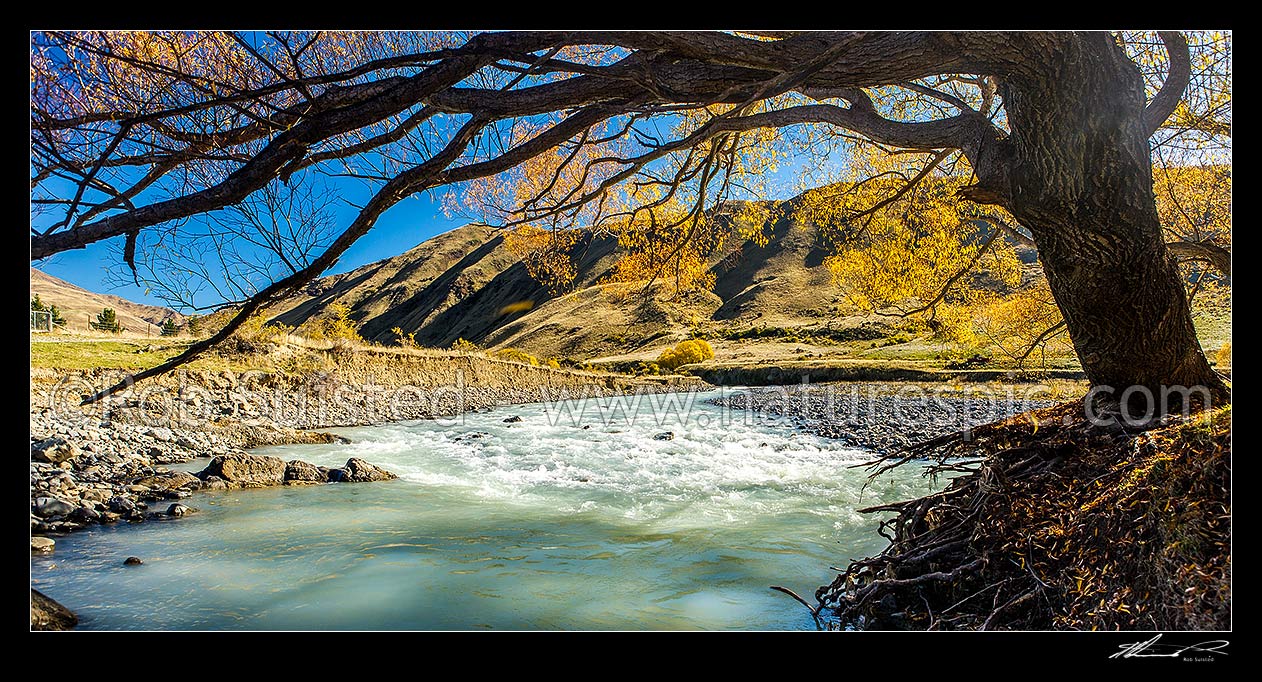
column 885, row 417
column 1057, row 522
column 98, row 463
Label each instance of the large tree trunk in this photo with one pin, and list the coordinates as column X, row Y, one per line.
column 1081, row 180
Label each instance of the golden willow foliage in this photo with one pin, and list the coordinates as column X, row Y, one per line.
column 686, row 353
column 546, row 255
column 1194, row 202
column 1024, row 325
column 664, row 219
column 143, row 71
column 910, row 254
column 335, row 324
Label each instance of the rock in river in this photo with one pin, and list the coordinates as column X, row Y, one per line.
column 243, row 470
column 39, row 544
column 298, row 471
column 166, row 481
column 47, row 614
column 359, row 471
column 179, row 510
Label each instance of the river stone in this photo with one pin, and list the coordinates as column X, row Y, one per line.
column 179, row 510
column 242, row 470
column 512, row 420
column 47, row 614
column 53, row 450
column 167, row 480
column 132, row 561
column 51, row 506
column 298, row 471
column 39, row 544
column 665, row 435
column 86, row 515
column 121, row 505
column 359, row 471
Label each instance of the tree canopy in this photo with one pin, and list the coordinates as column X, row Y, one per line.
column 137, row 136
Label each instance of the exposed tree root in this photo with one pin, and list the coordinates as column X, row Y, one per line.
column 1055, row 523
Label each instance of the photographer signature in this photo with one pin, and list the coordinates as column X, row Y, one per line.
column 1151, row 649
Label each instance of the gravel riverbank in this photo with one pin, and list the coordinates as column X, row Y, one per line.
column 880, row 417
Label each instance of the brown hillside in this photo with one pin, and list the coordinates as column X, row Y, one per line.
column 78, row 305
column 458, row 285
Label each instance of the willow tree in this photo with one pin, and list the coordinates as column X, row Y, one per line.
column 133, row 131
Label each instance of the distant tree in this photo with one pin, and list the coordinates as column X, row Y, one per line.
column 169, row 327
column 37, row 305
column 686, row 353
column 335, row 325
column 193, row 325
column 515, row 355
column 107, row 321
column 55, row 312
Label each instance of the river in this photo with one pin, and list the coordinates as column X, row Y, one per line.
column 537, row 524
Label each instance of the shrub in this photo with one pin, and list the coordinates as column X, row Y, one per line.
column 465, row 346
column 169, row 327
column 686, row 353
column 515, row 355
column 405, row 340
column 334, row 325
column 1223, row 357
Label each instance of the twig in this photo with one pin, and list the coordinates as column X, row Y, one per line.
column 813, row 609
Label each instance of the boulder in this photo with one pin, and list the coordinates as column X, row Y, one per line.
column 121, row 505
column 51, row 506
column 47, row 614
column 298, row 471
column 53, row 450
column 132, row 561
column 359, row 471
column 168, row 480
column 665, row 435
column 512, row 420
column 243, row 470
column 179, row 510
column 86, row 515
column 39, row 544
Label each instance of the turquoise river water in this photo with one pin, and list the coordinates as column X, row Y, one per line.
column 539, row 524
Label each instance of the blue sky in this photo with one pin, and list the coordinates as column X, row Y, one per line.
column 407, row 224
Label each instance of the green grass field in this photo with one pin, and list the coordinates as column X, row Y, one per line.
column 74, row 354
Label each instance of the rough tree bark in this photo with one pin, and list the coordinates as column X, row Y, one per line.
column 1076, row 172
